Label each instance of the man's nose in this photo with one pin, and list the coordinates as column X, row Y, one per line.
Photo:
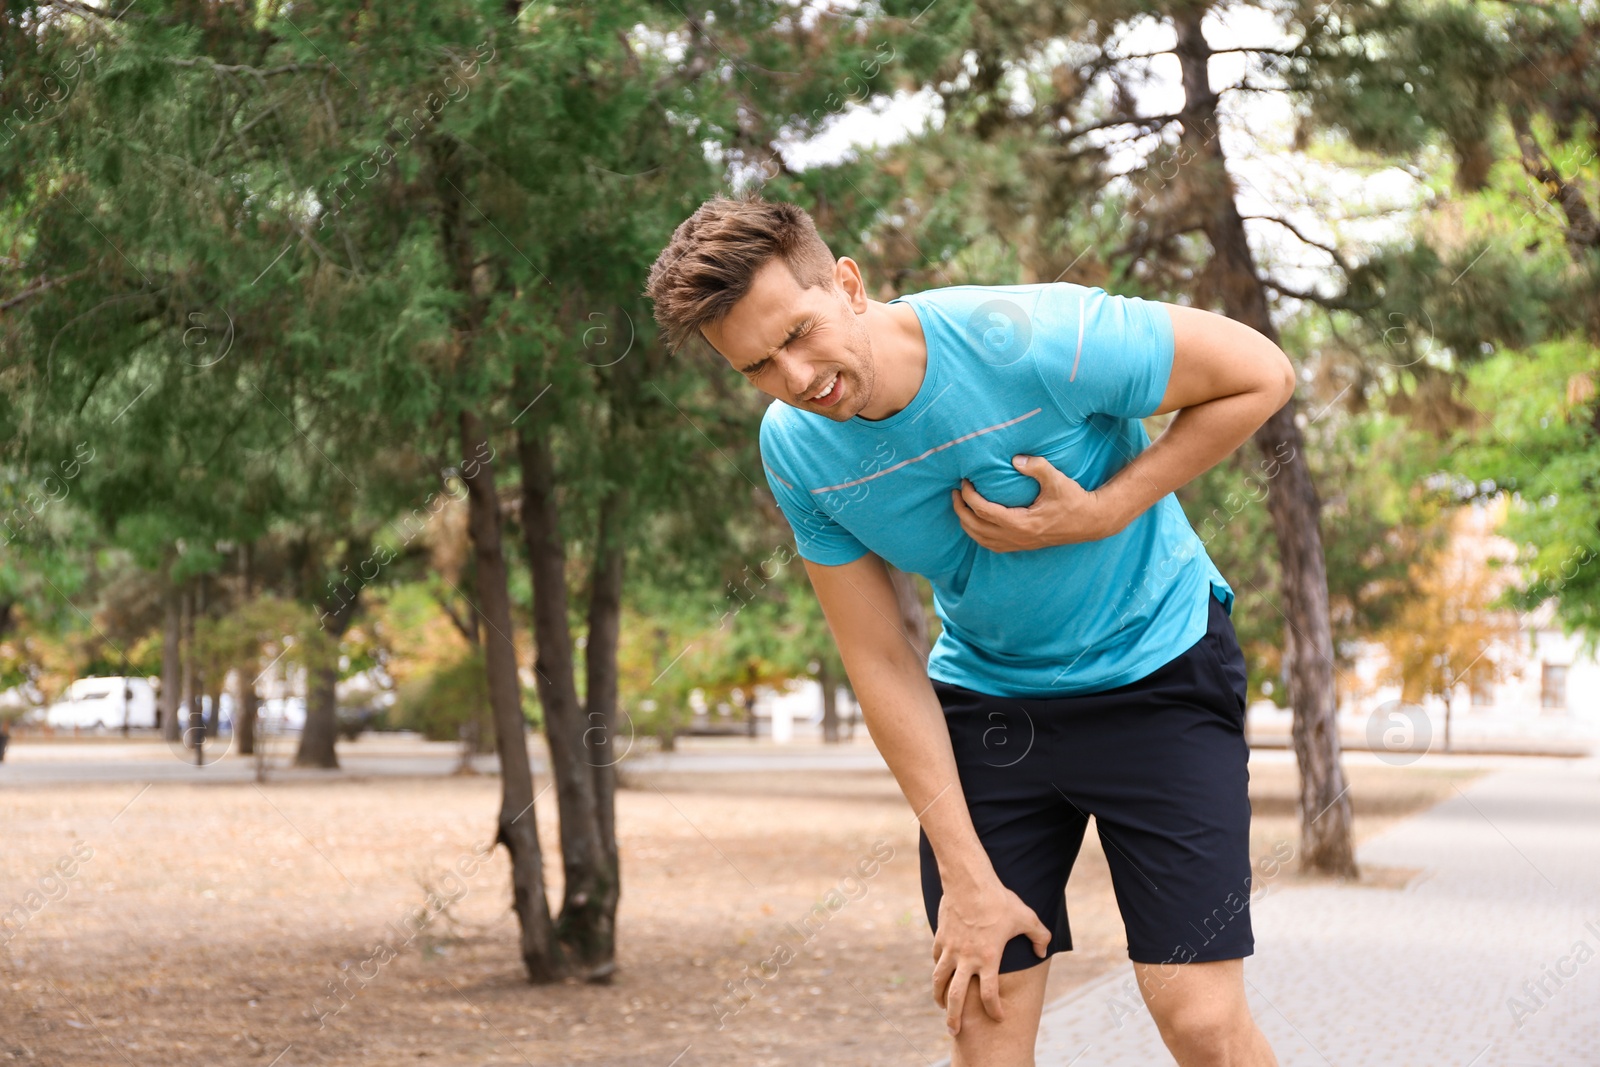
column 798, row 374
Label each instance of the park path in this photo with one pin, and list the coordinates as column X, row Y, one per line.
column 1426, row 976
column 378, row 755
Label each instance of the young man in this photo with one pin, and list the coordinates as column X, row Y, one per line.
column 989, row 438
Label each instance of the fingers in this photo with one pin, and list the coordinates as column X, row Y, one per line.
column 1034, row 467
column 955, row 999
column 971, row 524
column 989, row 993
column 1042, row 471
column 942, row 970
column 979, row 505
column 963, row 512
column 1039, row 934
column 986, row 533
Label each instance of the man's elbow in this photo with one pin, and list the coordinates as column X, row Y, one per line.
column 1283, row 380
column 891, row 661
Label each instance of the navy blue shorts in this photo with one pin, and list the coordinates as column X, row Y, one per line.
column 1161, row 764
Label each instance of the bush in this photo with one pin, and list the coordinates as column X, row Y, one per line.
column 443, row 704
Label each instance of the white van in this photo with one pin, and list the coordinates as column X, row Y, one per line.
column 105, row 703
column 281, row 715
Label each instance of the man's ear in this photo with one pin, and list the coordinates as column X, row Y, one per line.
column 847, row 272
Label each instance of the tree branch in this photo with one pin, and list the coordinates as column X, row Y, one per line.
column 1156, row 120
column 468, row 632
column 1287, row 53
column 254, row 72
column 1582, row 229
column 1246, row 87
column 1334, row 303
column 42, row 285
column 1338, row 257
column 91, row 14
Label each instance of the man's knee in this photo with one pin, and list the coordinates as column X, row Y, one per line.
column 1201, row 1011
column 1199, row 1023
column 1205, row 1030
column 983, row 1042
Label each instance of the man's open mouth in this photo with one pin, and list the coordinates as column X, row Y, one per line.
column 830, row 393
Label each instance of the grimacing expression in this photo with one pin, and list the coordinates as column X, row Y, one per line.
column 806, row 347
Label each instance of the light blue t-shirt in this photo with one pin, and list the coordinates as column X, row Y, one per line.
column 1054, row 370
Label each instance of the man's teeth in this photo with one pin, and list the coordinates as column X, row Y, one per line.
column 828, row 390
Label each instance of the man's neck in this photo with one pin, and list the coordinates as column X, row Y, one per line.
column 899, row 357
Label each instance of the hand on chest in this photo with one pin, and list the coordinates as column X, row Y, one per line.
column 894, row 492
column 1080, row 450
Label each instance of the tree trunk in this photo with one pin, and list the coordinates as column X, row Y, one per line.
column 249, row 708
column 585, row 927
column 830, row 703
column 600, row 662
column 913, row 619
column 322, row 719
column 200, row 687
column 214, row 712
column 191, row 697
column 471, row 732
column 172, row 666
column 321, row 732
column 1291, row 497
column 671, row 711
column 747, row 704
column 604, row 748
column 122, row 684
column 518, row 826
column 542, row 955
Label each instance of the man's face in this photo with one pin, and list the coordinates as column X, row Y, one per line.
column 807, row 347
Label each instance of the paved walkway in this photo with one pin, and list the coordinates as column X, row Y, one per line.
column 377, row 755
column 1432, row 975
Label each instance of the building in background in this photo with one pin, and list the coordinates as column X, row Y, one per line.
column 1517, row 675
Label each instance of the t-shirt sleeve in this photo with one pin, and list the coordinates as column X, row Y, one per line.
column 817, row 534
column 1103, row 354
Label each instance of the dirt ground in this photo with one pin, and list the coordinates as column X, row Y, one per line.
column 201, row 924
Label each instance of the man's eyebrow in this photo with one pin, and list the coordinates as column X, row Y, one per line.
column 795, row 331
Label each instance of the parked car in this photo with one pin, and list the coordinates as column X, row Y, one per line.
column 104, row 703
column 224, row 722
column 282, row 714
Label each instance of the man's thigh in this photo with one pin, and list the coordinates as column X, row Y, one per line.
column 1173, row 990
column 1202, row 1014
column 983, row 1042
column 1171, row 803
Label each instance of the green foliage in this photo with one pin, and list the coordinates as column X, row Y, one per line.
column 1541, row 445
column 441, row 703
column 266, row 629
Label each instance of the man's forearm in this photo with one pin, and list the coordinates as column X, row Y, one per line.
column 907, row 724
column 1197, row 439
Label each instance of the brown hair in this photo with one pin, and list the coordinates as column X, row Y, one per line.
column 714, row 254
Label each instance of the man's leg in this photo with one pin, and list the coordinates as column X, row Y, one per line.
column 1202, row 1014
column 983, row 1042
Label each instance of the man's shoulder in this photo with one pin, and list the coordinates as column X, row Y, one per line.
column 974, row 295
column 785, row 430
column 975, row 311
column 779, row 421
